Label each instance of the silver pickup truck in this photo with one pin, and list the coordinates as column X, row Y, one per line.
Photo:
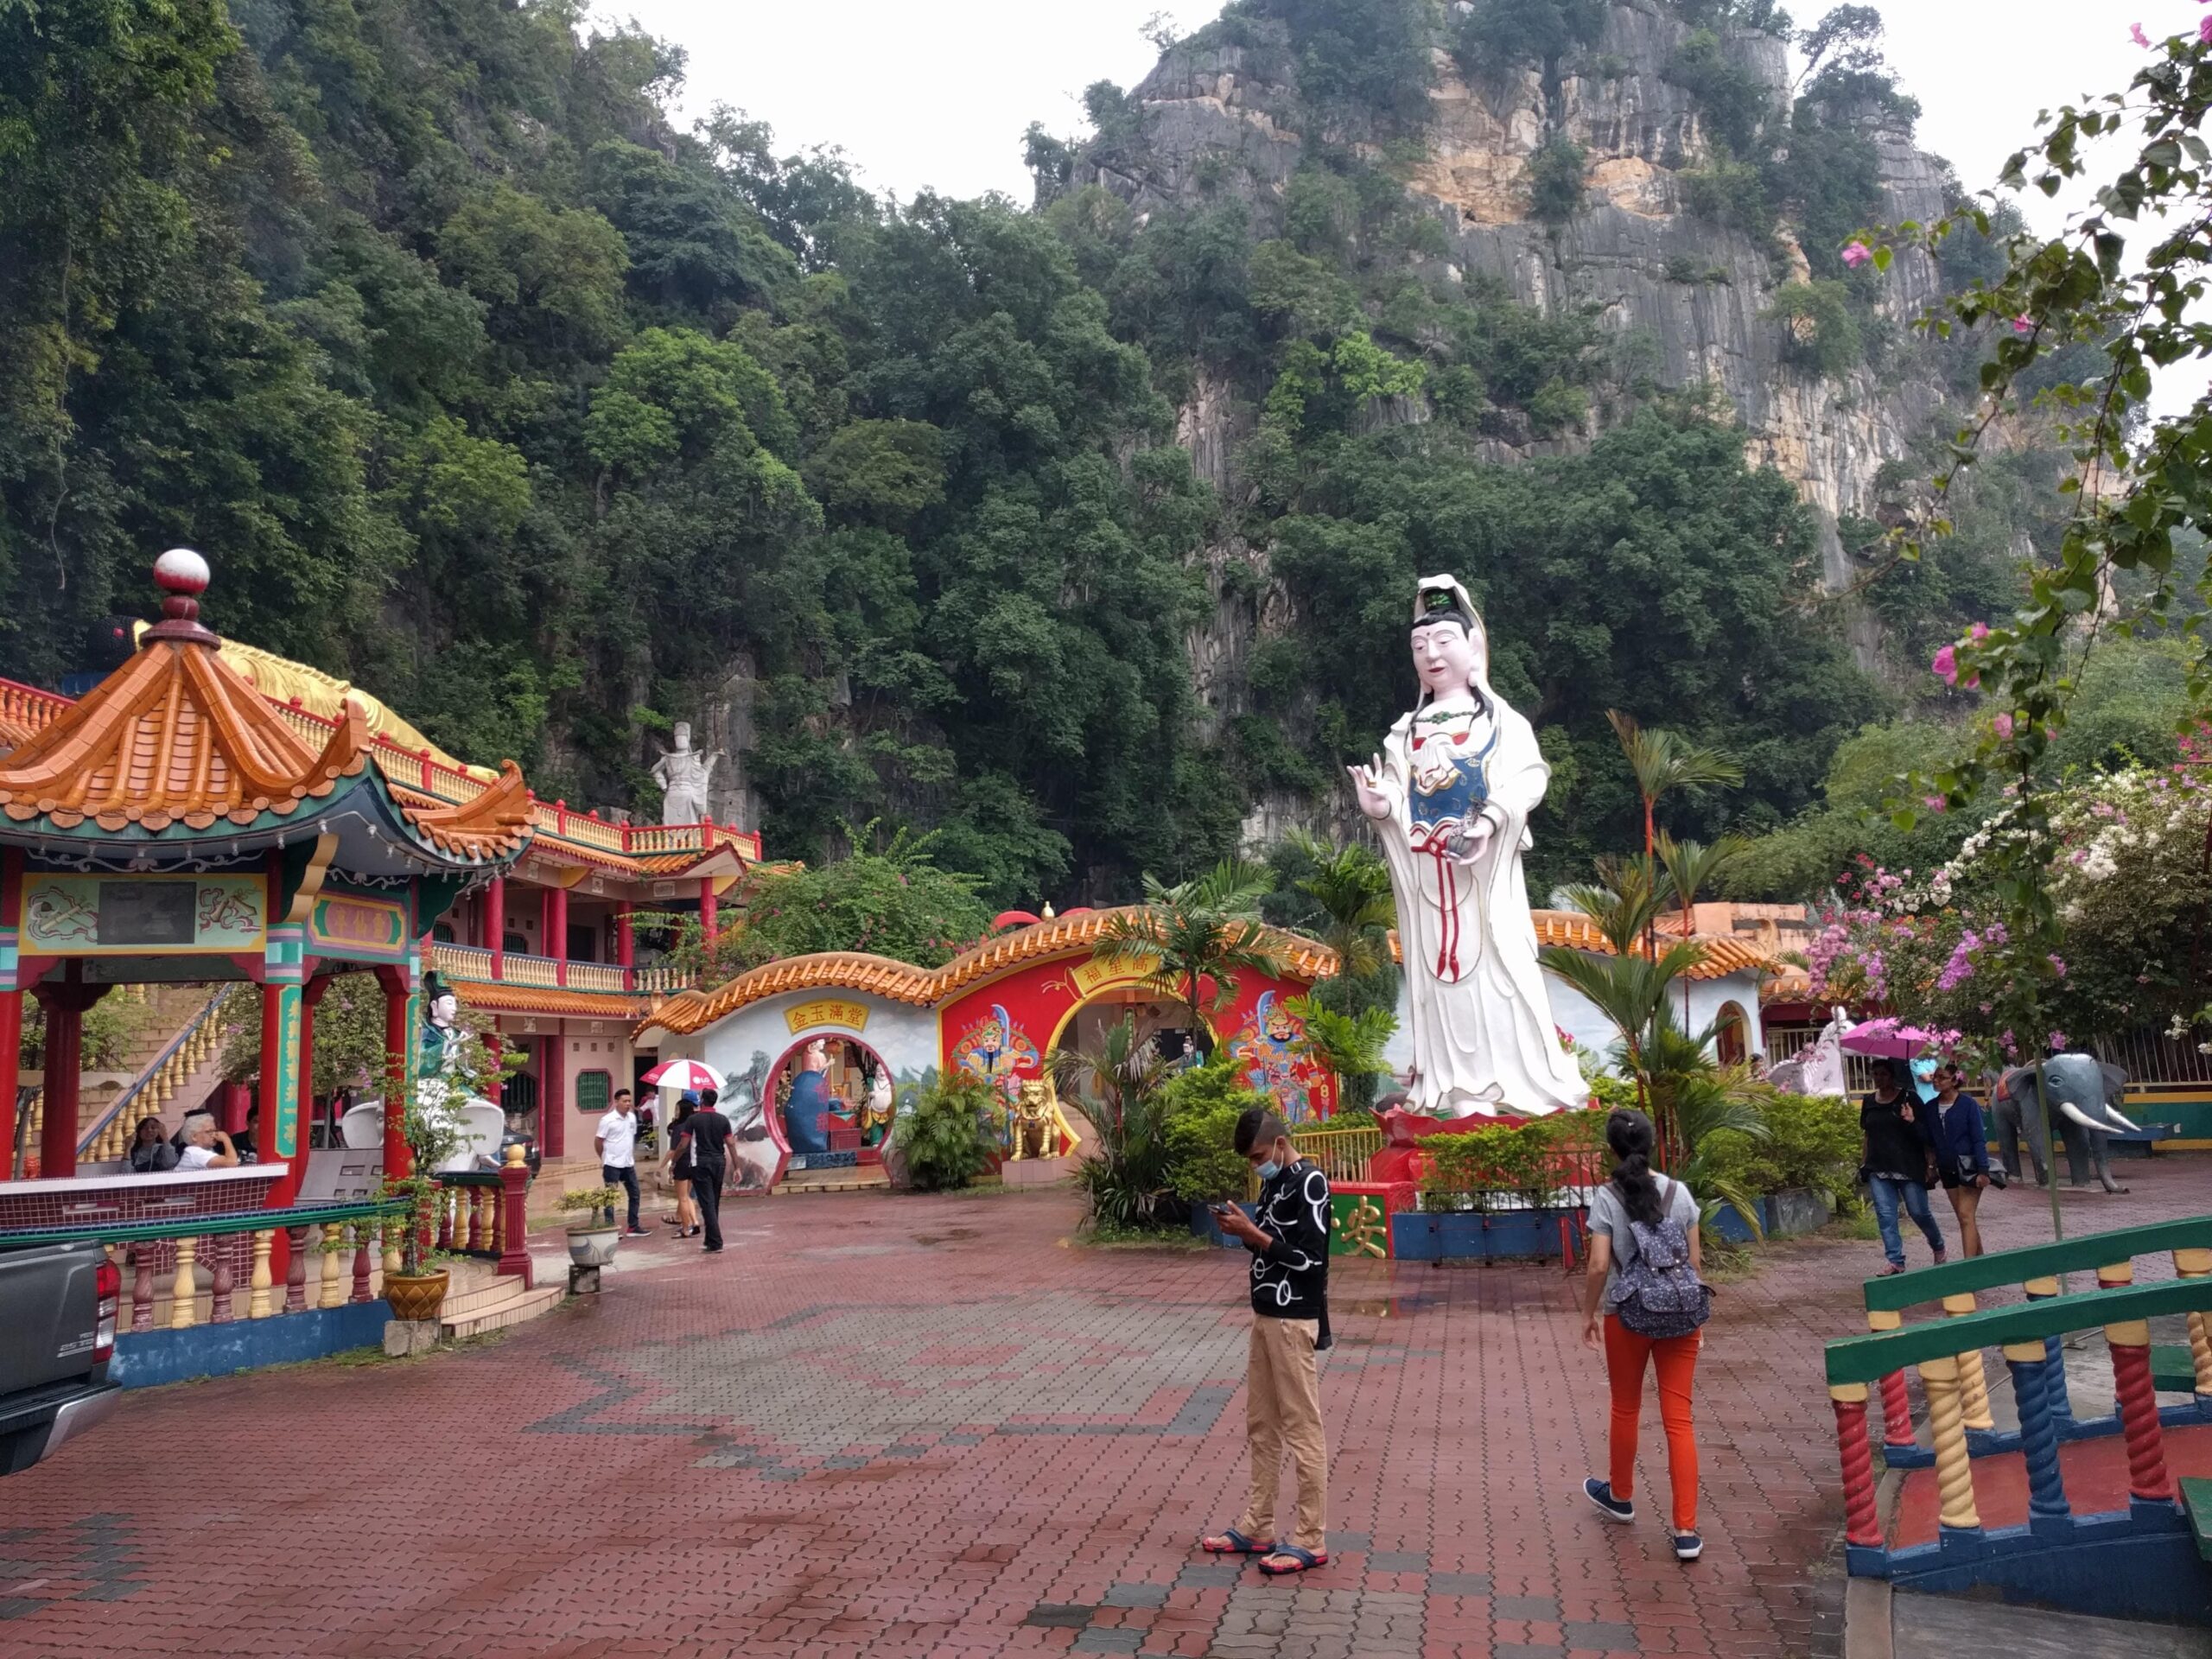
column 58, row 1308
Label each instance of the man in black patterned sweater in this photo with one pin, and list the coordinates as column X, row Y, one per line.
column 1288, row 1237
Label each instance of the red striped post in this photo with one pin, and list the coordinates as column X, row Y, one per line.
column 1896, row 1404
column 1862, row 1520
column 2148, row 1477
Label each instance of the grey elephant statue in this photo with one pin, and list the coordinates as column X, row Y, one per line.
column 2083, row 1095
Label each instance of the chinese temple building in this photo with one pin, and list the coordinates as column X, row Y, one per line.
column 524, row 908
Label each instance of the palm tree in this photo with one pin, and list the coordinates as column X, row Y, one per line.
column 1206, row 928
column 1664, row 760
column 1119, row 1084
column 1347, row 1046
column 1691, row 866
column 1352, row 887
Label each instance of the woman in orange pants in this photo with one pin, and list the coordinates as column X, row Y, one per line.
column 1637, row 1195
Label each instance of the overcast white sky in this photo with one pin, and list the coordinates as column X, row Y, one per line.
column 936, row 94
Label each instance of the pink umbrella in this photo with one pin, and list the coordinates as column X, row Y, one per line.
column 1890, row 1038
column 685, row 1074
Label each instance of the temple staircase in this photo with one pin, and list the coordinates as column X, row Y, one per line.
column 480, row 1299
column 171, row 1064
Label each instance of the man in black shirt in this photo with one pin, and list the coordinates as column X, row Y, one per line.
column 1288, row 1237
column 708, row 1133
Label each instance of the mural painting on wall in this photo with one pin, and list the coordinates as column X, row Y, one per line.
column 1265, row 1048
column 998, row 1050
column 754, row 1152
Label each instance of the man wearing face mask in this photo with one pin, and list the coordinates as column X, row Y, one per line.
column 1288, row 1237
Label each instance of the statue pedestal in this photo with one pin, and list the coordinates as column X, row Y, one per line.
column 1036, row 1171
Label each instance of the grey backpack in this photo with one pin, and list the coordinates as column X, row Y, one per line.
column 1660, row 1294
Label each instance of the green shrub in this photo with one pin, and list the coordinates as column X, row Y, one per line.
column 1471, row 1170
column 1731, row 194
column 1819, row 332
column 951, row 1132
column 1199, row 1108
column 1555, row 179
column 1813, row 1142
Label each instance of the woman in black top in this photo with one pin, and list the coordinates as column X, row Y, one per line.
column 679, row 1169
column 1900, row 1162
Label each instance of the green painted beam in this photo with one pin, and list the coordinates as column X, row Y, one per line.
column 249, row 1221
column 2082, row 1255
column 2196, row 1498
column 1861, row 1359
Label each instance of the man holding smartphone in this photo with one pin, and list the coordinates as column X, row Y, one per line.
column 1288, row 1237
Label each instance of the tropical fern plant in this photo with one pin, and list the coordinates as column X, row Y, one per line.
column 1184, row 935
column 1119, row 1082
column 1347, row 1046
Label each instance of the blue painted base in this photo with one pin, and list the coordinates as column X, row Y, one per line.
column 2140, row 1563
column 824, row 1159
column 1782, row 1215
column 1907, row 1457
column 147, row 1359
column 1467, row 1235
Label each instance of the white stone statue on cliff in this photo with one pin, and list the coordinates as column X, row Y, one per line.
column 682, row 773
column 1451, row 796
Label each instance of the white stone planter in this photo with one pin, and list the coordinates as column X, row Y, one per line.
column 593, row 1246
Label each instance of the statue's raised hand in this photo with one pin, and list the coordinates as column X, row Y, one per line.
column 1367, row 784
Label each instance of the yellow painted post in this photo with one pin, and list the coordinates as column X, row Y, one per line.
column 184, row 1289
column 258, row 1307
column 2197, row 1264
column 1973, row 1384
column 1939, row 1380
column 332, row 1237
column 391, row 1235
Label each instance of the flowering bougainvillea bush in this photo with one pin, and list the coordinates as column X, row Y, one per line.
column 2131, row 893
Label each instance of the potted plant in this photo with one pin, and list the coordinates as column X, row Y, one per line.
column 417, row 1291
column 595, row 1235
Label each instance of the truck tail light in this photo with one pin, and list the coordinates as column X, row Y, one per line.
column 109, row 1280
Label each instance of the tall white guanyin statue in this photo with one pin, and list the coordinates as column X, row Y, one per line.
column 1451, row 796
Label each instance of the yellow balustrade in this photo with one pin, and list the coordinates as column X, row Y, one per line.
column 184, row 1288
column 259, row 1305
column 393, row 1233
column 1939, row 1380
column 2197, row 1264
column 1973, row 1383
column 332, row 1238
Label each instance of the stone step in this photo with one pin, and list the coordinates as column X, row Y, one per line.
column 851, row 1179
column 468, row 1296
column 511, row 1306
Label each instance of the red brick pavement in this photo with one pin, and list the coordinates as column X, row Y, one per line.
column 902, row 1425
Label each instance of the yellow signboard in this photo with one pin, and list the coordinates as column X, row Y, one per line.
column 830, row 1012
column 1092, row 977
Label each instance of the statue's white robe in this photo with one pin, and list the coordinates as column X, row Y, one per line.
column 1482, row 1035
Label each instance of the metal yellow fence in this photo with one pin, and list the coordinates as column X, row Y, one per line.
column 1343, row 1154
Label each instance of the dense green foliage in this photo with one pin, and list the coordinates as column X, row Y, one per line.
column 1199, row 1107
column 950, row 1131
column 484, row 387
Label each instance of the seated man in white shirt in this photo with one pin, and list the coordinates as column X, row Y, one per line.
column 206, row 1146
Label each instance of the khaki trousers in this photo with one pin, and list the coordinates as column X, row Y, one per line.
column 1283, row 1407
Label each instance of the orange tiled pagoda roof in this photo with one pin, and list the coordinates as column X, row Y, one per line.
column 177, row 738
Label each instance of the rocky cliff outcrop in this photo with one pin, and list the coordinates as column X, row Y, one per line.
column 1226, row 116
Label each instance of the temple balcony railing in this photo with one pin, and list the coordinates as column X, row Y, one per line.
column 476, row 963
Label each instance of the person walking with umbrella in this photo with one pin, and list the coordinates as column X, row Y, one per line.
column 1900, row 1161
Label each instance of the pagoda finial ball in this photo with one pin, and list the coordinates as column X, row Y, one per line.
column 181, row 570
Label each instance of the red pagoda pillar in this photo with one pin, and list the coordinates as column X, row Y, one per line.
column 495, row 924
column 553, row 1096
column 557, row 932
column 397, row 1038
column 65, row 1004
column 11, row 1004
column 707, row 921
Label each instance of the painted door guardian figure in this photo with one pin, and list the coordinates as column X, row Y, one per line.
column 1451, row 795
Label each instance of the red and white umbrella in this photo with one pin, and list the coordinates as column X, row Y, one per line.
column 685, row 1074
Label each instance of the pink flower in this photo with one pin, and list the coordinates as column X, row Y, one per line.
column 1978, row 632
column 2024, row 324
column 1856, row 254
column 2003, row 726
column 2204, row 29
column 2135, row 33
column 2058, row 1038
column 1934, row 802
column 1946, row 665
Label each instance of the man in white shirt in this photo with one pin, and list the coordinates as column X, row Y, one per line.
column 204, row 1147
column 616, row 1139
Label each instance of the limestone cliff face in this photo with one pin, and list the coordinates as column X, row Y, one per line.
column 1221, row 118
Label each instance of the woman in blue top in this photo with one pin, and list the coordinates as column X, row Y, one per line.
column 1961, row 1152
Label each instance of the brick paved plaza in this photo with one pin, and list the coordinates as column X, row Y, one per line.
column 930, row 1426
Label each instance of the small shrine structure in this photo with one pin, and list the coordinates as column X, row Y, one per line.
column 173, row 826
